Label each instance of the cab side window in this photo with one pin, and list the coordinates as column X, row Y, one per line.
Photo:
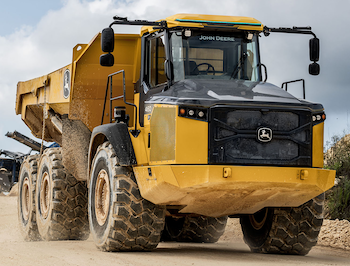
column 156, row 61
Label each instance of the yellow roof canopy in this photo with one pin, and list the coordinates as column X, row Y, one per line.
column 201, row 21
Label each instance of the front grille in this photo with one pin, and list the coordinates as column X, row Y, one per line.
column 233, row 136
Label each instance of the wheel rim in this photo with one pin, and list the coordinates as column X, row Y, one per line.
column 258, row 219
column 45, row 195
column 25, row 199
column 102, row 193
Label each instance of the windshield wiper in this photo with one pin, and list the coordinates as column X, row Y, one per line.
column 239, row 66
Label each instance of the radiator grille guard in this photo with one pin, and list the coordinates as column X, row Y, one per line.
column 260, row 136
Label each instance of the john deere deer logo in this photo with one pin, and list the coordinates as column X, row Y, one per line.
column 66, row 83
column 264, row 134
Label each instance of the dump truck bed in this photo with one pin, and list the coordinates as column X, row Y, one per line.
column 77, row 90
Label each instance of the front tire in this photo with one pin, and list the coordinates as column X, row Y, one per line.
column 120, row 219
column 292, row 230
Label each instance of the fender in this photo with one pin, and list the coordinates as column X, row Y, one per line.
column 118, row 135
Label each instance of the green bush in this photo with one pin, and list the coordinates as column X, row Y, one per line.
column 338, row 158
column 339, row 200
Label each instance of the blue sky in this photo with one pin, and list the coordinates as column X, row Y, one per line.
column 37, row 37
column 16, row 13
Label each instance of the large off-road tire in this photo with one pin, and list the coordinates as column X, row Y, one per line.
column 292, row 230
column 60, row 200
column 200, row 229
column 120, row 218
column 26, row 199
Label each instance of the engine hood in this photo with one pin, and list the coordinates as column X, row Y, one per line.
column 212, row 92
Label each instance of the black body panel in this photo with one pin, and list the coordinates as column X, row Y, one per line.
column 118, row 135
column 234, row 136
column 208, row 92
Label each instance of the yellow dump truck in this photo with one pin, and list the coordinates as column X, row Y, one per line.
column 165, row 134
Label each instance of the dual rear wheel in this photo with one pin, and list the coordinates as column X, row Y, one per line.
column 52, row 204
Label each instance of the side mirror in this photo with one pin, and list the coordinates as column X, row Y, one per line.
column 107, row 60
column 314, row 69
column 314, row 44
column 107, row 40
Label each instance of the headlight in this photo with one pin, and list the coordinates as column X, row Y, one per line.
column 318, row 118
column 193, row 112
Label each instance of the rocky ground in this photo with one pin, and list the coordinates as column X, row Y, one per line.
column 335, row 233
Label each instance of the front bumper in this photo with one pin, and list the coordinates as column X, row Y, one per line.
column 217, row 190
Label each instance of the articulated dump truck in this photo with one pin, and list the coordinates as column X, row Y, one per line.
column 165, row 134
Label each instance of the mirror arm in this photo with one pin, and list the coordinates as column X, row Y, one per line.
column 124, row 21
column 295, row 30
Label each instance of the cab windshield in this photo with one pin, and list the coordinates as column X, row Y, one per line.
column 214, row 55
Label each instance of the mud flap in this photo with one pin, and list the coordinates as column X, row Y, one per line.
column 75, row 139
column 118, row 135
column 5, row 180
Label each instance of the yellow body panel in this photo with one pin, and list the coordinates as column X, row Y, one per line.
column 163, row 134
column 174, row 139
column 32, row 91
column 204, row 189
column 90, row 79
column 139, row 143
column 191, row 141
column 87, row 86
column 317, row 145
column 201, row 21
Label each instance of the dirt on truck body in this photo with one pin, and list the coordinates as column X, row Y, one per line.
column 168, row 133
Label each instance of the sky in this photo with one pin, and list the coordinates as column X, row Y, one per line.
column 37, row 37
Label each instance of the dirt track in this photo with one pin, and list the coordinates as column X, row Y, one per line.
column 15, row 251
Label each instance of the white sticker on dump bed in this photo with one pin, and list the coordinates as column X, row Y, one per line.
column 66, row 83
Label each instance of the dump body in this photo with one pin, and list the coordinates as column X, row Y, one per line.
column 77, row 90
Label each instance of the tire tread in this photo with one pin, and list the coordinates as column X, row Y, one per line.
column 137, row 223
column 69, row 217
column 294, row 230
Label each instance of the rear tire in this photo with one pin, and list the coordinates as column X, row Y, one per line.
column 200, row 229
column 120, row 219
column 61, row 201
column 26, row 199
column 292, row 231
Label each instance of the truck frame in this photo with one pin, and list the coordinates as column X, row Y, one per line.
column 169, row 133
